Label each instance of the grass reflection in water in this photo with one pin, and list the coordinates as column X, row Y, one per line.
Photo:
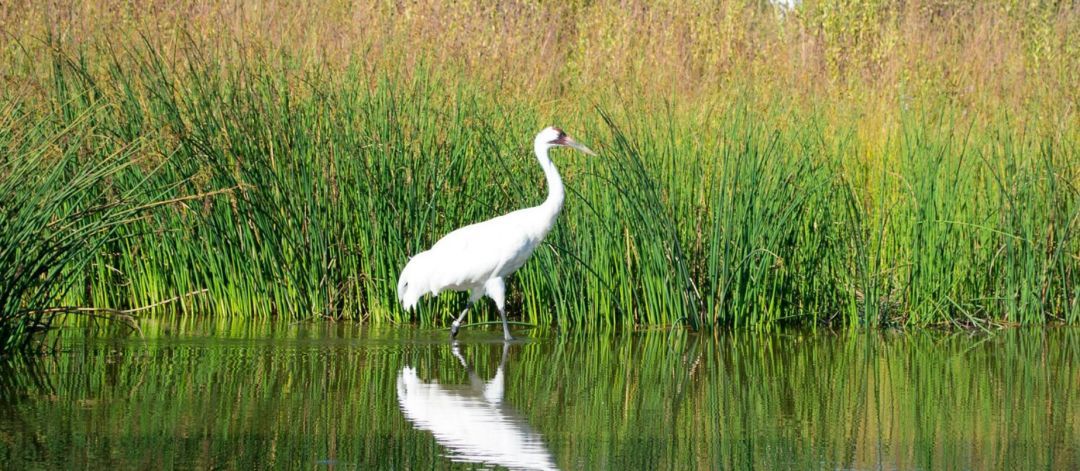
column 344, row 396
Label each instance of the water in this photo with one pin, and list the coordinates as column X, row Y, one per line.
column 340, row 396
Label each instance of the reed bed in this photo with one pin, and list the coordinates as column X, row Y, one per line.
column 58, row 214
column 268, row 186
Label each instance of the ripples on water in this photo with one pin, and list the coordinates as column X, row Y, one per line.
column 341, row 396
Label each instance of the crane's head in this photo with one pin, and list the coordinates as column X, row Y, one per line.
column 553, row 137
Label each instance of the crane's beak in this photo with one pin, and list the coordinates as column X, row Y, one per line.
column 567, row 141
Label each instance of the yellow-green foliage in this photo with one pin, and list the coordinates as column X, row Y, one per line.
column 857, row 161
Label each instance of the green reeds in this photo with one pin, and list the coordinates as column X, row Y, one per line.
column 57, row 212
column 718, row 213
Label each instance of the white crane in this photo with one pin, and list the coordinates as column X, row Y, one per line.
column 478, row 257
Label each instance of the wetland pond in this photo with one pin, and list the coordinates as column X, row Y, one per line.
column 246, row 395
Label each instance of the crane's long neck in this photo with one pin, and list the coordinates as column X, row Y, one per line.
column 556, row 194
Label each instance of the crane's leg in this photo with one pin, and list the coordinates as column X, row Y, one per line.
column 495, row 288
column 474, row 379
column 474, row 295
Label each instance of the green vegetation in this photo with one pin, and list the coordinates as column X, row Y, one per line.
column 57, row 214
column 858, row 180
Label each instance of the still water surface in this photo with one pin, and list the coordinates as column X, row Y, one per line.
column 345, row 397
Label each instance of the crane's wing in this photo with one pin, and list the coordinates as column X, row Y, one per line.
column 476, row 253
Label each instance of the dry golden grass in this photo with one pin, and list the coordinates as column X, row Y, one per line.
column 862, row 53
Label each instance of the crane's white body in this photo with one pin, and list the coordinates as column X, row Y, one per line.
column 478, row 257
column 469, row 257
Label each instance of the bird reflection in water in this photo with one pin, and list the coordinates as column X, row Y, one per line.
column 471, row 420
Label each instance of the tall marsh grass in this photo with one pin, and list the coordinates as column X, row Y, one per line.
column 57, row 214
column 751, row 207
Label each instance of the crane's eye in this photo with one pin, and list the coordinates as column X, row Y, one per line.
column 561, row 140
